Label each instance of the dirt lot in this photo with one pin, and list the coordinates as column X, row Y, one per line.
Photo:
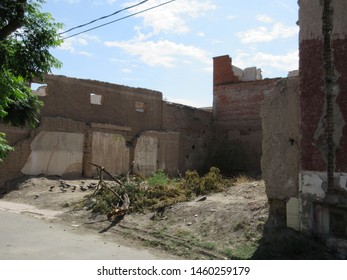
column 227, row 225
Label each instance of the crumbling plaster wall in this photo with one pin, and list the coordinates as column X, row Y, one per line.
column 281, row 151
column 323, row 115
column 281, row 138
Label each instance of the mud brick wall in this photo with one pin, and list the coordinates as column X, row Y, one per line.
column 113, row 112
column 195, row 128
column 20, row 139
column 137, row 108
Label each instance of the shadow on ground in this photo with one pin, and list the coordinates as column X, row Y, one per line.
column 281, row 243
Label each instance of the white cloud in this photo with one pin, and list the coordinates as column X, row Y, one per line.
column 173, row 16
column 264, row 18
column 264, row 34
column 201, row 34
column 286, row 62
column 126, row 70
column 162, row 53
column 74, row 43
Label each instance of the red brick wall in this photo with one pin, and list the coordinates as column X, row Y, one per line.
column 240, row 101
column 312, row 93
column 237, row 122
column 340, row 59
column 222, row 71
column 312, row 99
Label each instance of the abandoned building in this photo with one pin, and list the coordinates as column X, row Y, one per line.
column 291, row 130
column 115, row 126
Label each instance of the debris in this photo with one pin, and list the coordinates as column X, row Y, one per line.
column 36, row 196
column 203, row 198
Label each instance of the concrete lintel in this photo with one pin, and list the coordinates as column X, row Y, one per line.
column 110, row 127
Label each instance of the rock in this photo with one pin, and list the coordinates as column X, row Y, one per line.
column 201, row 199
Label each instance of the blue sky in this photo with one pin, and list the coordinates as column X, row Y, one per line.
column 170, row 49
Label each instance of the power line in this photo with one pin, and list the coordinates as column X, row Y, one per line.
column 107, row 16
column 119, row 19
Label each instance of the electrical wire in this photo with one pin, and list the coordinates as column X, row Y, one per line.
column 101, row 18
column 119, row 19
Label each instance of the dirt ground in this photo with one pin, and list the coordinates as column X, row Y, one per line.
column 226, row 225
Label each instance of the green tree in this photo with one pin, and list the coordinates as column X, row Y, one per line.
column 26, row 37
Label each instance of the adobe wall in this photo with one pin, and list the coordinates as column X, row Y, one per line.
column 138, row 108
column 237, row 124
column 85, row 121
column 20, row 139
column 195, row 130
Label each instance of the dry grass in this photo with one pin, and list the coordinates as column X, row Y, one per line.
column 242, row 179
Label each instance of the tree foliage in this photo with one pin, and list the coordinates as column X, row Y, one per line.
column 26, row 37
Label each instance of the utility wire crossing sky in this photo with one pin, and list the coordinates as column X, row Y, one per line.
column 168, row 46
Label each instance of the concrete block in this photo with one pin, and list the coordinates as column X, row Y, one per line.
column 250, row 74
column 343, row 181
column 312, row 183
column 146, row 154
column 292, row 208
column 55, row 153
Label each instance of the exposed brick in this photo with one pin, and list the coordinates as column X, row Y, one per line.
column 222, row 71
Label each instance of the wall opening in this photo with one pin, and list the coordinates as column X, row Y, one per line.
column 39, row 89
column 140, row 107
column 95, row 99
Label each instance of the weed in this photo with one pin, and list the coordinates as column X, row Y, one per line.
column 211, row 182
column 208, row 245
column 242, row 179
column 244, row 252
column 229, row 253
column 159, row 178
column 157, row 192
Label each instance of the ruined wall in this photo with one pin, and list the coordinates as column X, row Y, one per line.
column 280, row 144
column 157, row 150
column 323, row 115
column 20, row 139
column 195, row 134
column 280, row 147
column 238, row 132
column 86, row 121
column 71, row 98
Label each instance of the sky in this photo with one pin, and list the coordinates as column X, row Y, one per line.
column 171, row 48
